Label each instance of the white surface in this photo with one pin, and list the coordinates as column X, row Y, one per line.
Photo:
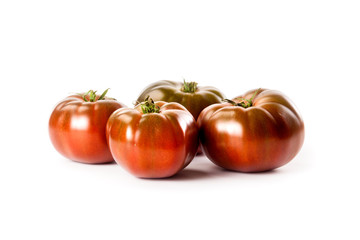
column 307, row 49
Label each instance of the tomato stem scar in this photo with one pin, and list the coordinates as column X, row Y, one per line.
column 149, row 106
column 189, row 87
column 245, row 103
column 90, row 96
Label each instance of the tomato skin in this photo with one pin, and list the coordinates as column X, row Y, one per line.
column 77, row 129
column 259, row 138
column 153, row 145
column 170, row 91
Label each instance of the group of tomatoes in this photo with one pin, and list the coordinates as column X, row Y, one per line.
column 258, row 131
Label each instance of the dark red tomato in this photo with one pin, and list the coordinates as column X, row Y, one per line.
column 195, row 98
column 77, row 127
column 154, row 140
column 259, row 131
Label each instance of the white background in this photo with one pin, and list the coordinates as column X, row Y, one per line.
column 310, row 50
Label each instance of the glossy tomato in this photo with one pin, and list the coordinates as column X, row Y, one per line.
column 259, row 131
column 195, row 98
column 77, row 127
column 153, row 140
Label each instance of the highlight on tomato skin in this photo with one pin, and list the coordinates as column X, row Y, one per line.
column 154, row 139
column 77, row 127
column 258, row 131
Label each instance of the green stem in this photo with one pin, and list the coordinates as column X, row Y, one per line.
column 189, row 87
column 92, row 96
column 102, row 96
column 149, row 106
column 245, row 103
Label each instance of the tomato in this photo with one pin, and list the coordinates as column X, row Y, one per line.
column 259, row 131
column 195, row 98
column 77, row 127
column 154, row 139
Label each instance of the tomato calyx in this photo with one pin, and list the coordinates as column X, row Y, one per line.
column 90, row 96
column 189, row 87
column 149, row 106
column 245, row 103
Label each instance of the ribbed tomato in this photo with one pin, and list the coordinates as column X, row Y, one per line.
column 259, row 131
column 77, row 127
column 154, row 139
column 195, row 98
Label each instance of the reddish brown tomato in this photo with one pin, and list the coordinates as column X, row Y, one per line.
column 195, row 98
column 77, row 127
column 259, row 131
column 154, row 140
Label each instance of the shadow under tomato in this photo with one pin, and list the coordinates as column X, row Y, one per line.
column 95, row 164
column 108, row 163
column 184, row 175
column 267, row 172
column 190, row 174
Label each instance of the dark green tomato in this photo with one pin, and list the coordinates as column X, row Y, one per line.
column 194, row 98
